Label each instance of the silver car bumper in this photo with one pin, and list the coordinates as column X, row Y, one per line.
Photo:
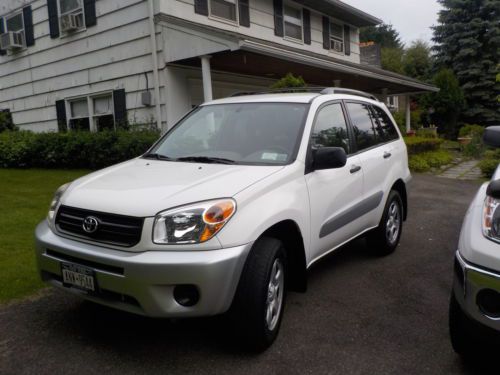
column 477, row 290
column 144, row 282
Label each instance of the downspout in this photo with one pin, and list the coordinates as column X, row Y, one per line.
column 156, row 79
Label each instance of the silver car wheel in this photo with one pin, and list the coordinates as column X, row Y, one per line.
column 393, row 222
column 274, row 302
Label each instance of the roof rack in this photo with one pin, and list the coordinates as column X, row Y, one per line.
column 319, row 90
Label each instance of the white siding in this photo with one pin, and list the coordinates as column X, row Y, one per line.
column 113, row 54
column 262, row 26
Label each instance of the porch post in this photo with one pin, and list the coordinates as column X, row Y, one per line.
column 408, row 113
column 384, row 95
column 207, row 78
column 337, row 83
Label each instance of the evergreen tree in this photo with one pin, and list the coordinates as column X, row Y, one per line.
column 385, row 35
column 468, row 42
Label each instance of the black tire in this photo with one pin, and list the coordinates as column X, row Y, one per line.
column 250, row 305
column 378, row 239
column 463, row 341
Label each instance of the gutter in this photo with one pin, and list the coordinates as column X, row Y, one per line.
column 156, row 79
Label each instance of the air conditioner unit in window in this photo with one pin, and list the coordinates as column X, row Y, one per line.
column 71, row 22
column 337, row 46
column 11, row 41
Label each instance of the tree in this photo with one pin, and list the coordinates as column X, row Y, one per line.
column 468, row 42
column 384, row 35
column 289, row 81
column 392, row 59
column 417, row 61
column 446, row 104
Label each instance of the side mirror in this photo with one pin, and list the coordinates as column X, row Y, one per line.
column 491, row 136
column 329, row 158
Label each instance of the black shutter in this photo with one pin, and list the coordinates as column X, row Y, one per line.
column 278, row 17
column 347, row 40
column 53, row 18
column 120, row 103
column 326, row 33
column 244, row 11
column 90, row 15
column 61, row 115
column 201, row 7
column 28, row 26
column 2, row 30
column 306, row 15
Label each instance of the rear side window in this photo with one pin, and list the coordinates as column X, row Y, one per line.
column 363, row 126
column 384, row 125
column 330, row 129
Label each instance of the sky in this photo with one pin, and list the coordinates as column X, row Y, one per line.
column 412, row 18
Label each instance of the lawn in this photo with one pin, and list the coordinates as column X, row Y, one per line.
column 25, row 196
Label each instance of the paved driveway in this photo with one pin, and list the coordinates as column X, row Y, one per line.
column 361, row 315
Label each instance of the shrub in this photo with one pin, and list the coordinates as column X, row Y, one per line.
column 471, row 131
column 418, row 164
column 488, row 167
column 417, row 145
column 433, row 159
column 427, row 133
column 6, row 121
column 400, row 118
column 289, row 81
column 24, row 149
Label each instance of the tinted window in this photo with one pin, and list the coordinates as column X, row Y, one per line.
column 364, row 129
column 246, row 133
column 385, row 127
column 330, row 129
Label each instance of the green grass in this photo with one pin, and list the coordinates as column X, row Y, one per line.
column 25, row 196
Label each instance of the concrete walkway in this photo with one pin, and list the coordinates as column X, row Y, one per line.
column 466, row 170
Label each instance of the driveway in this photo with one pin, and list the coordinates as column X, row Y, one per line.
column 361, row 315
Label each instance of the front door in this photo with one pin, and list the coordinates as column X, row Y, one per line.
column 333, row 193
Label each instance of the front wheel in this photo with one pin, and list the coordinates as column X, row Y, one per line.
column 384, row 239
column 260, row 298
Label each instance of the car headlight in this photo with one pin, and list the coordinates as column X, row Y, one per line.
column 491, row 218
column 55, row 202
column 194, row 223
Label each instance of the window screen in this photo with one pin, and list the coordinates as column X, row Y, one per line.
column 223, row 9
column 293, row 22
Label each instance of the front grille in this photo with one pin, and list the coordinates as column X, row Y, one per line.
column 113, row 229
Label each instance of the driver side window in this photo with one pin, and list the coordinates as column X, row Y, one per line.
column 330, row 129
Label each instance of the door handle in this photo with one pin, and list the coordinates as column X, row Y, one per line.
column 355, row 168
column 387, row 155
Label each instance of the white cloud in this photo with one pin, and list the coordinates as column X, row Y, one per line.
column 412, row 18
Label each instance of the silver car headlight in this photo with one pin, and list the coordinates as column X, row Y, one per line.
column 194, row 223
column 55, row 203
column 491, row 218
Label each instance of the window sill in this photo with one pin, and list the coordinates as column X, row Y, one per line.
column 64, row 35
column 293, row 40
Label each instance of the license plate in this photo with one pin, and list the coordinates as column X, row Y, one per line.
column 78, row 276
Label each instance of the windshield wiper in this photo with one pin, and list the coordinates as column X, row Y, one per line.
column 206, row 159
column 154, row 155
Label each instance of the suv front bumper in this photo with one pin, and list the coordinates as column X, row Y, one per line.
column 144, row 282
column 477, row 290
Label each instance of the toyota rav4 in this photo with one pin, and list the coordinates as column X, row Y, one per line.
column 228, row 210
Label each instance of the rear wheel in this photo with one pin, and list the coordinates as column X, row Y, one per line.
column 260, row 298
column 384, row 239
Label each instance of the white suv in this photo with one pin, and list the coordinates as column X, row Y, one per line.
column 228, row 210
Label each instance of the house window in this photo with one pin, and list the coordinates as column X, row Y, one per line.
column 293, row 21
column 93, row 113
column 71, row 16
column 225, row 9
column 15, row 23
column 336, row 37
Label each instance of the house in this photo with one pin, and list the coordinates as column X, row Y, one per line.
column 87, row 64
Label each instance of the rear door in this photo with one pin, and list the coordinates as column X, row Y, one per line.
column 376, row 156
column 333, row 193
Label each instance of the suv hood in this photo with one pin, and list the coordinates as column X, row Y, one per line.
column 143, row 187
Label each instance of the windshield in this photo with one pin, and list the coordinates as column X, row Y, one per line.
column 241, row 133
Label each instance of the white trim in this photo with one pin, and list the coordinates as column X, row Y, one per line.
column 64, row 34
column 336, row 38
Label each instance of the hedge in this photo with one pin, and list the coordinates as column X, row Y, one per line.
column 417, row 145
column 427, row 160
column 23, row 149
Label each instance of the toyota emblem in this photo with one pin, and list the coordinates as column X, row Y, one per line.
column 90, row 224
